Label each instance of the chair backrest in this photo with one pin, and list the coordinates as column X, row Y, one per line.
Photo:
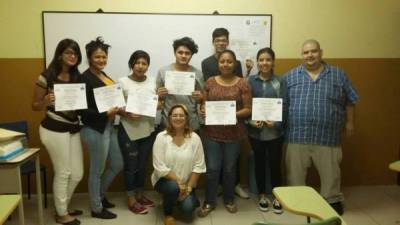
column 19, row 126
column 331, row 221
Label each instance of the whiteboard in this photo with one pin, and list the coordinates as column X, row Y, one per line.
column 153, row 33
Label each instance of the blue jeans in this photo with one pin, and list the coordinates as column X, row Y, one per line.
column 102, row 147
column 169, row 190
column 135, row 154
column 221, row 155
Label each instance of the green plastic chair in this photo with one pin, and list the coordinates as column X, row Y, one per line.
column 330, row 221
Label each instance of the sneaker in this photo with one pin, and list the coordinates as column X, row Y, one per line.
column 263, row 204
column 205, row 210
column 106, row 204
column 104, row 214
column 241, row 193
column 338, row 207
column 138, row 208
column 276, row 207
column 169, row 220
column 145, row 201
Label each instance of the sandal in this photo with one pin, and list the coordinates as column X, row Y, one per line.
column 231, row 207
column 205, row 210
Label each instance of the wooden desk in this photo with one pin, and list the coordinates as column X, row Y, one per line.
column 395, row 166
column 303, row 200
column 7, row 205
column 11, row 175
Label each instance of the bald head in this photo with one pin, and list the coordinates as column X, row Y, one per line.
column 312, row 42
column 312, row 54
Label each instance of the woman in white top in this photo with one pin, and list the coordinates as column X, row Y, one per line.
column 178, row 161
column 136, row 133
column 59, row 130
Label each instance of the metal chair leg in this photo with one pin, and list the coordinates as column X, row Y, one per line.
column 44, row 174
column 28, row 176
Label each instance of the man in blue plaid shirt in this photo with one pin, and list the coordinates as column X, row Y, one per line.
column 320, row 101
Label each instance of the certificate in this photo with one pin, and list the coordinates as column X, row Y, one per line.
column 180, row 83
column 70, row 96
column 220, row 112
column 142, row 103
column 108, row 97
column 267, row 109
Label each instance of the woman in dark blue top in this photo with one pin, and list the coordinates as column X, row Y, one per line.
column 266, row 137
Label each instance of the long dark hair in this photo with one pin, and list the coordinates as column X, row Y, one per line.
column 270, row 52
column 55, row 67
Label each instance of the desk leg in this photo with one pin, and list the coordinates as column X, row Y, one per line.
column 21, row 216
column 39, row 190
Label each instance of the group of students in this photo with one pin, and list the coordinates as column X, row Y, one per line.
column 178, row 155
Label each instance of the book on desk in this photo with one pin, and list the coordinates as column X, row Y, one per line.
column 12, row 144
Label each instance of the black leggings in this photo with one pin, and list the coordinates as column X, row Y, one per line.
column 268, row 156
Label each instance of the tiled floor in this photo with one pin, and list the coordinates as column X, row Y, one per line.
column 365, row 205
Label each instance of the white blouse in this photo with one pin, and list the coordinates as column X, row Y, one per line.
column 137, row 129
column 182, row 160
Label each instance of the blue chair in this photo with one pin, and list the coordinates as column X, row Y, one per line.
column 29, row 167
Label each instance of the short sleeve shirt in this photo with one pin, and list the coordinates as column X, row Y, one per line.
column 239, row 92
column 317, row 108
